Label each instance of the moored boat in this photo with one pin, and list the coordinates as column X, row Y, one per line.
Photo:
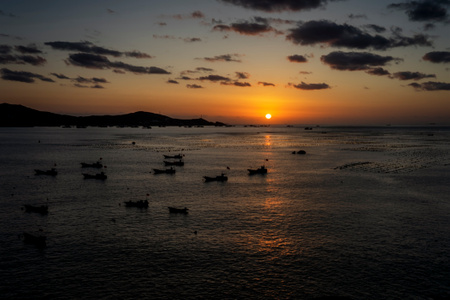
column 37, row 240
column 43, row 209
column 97, row 165
column 101, row 176
column 164, row 171
column 222, row 177
column 138, row 204
column 178, row 156
column 260, row 170
column 175, row 210
column 51, row 172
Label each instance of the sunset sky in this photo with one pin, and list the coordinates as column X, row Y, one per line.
column 304, row 62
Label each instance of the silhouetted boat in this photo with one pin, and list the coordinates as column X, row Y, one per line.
column 261, row 170
column 101, row 176
column 43, row 209
column 37, row 240
column 97, row 165
column 174, row 163
column 299, row 152
column 178, row 156
column 51, row 172
column 221, row 177
column 175, row 210
column 138, row 204
column 164, row 171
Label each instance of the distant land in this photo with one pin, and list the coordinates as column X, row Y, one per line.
column 12, row 115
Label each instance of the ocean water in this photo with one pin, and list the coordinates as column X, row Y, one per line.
column 364, row 214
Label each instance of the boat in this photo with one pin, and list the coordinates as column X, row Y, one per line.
column 178, row 156
column 164, row 171
column 37, row 240
column 51, row 172
column 43, row 209
column 174, row 163
column 138, row 204
column 101, row 176
column 260, row 170
column 221, row 177
column 175, row 210
column 97, row 165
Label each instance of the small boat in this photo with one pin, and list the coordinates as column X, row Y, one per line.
column 178, row 156
column 97, row 165
column 261, row 170
column 51, row 172
column 138, row 204
column 43, row 209
column 37, row 240
column 164, row 171
column 174, row 163
column 175, row 210
column 221, row 177
column 101, row 176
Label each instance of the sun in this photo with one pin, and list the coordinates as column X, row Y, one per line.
column 268, row 116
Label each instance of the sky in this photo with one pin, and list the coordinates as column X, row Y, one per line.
column 346, row 62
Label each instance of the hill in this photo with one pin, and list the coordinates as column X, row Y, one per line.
column 12, row 115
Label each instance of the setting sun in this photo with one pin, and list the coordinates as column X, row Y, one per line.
column 268, row 116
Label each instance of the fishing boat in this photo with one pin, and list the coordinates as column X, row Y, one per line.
column 101, row 176
column 138, row 204
column 175, row 210
column 43, row 209
column 221, row 177
column 178, row 156
column 37, row 240
column 97, row 165
column 260, row 170
column 164, row 171
column 51, row 172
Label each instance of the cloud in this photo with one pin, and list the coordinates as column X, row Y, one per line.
column 86, row 47
column 172, row 81
column 355, row 61
column 242, row 75
column 310, row 86
column 437, row 57
column 424, row 10
column 137, row 54
column 5, row 49
column 263, row 83
column 406, row 75
column 31, row 49
column 360, row 16
column 6, row 14
column 22, row 59
column 59, row 76
column 279, row 5
column 214, row 78
column 224, row 57
column 236, row 83
column 22, row 76
column 348, row 36
column 80, row 79
column 194, row 86
column 192, row 40
column 247, row 28
column 93, row 61
column 376, row 28
column 378, row 71
column 431, row 86
column 297, row 58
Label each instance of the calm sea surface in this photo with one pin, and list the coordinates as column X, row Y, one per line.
column 365, row 214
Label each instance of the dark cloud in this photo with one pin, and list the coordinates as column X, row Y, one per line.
column 305, row 72
column 236, row 83
column 360, row 16
column 214, row 78
column 194, row 15
column 102, row 62
column 263, row 83
column 86, row 47
column 406, row 75
column 279, row 5
column 192, row 40
column 431, row 86
column 437, row 57
column 172, row 81
column 185, row 78
column 59, row 76
column 242, row 75
column 424, row 10
column 247, row 28
column 348, row 36
column 378, row 71
column 137, row 54
column 355, row 61
column 14, row 37
column 376, row 28
column 194, row 86
column 310, row 86
column 167, row 37
column 225, row 57
column 31, row 49
column 5, row 49
column 22, row 59
column 80, row 79
column 297, row 58
column 22, row 76
column 6, row 14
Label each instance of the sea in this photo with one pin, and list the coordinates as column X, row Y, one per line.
column 364, row 213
